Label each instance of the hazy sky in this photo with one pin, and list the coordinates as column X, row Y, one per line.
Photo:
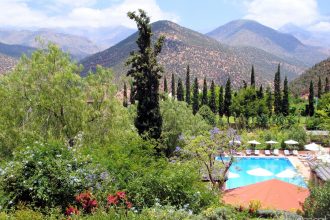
column 201, row 15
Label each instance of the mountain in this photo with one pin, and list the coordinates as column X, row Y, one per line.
column 254, row 34
column 206, row 57
column 78, row 47
column 314, row 38
column 300, row 86
column 7, row 63
column 15, row 51
column 104, row 37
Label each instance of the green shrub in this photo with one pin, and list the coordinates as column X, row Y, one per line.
column 47, row 175
column 318, row 203
column 207, row 114
column 313, row 123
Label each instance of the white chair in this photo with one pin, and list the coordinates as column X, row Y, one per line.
column 295, row 153
column 267, row 152
column 248, row 152
column 276, row 152
column 286, row 152
column 256, row 152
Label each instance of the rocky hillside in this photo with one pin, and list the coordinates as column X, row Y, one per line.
column 7, row 63
column 15, row 51
column 300, row 86
column 206, row 57
column 254, row 34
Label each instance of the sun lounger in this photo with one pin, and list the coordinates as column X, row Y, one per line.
column 295, row 153
column 256, row 152
column 276, row 152
column 248, row 152
column 267, row 152
column 286, row 152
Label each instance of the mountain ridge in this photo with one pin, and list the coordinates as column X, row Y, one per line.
column 205, row 55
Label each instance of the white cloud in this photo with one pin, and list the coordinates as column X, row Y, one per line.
column 276, row 13
column 19, row 13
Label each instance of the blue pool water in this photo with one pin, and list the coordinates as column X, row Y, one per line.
column 249, row 170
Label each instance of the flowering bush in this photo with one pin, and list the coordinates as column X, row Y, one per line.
column 119, row 200
column 71, row 210
column 87, row 201
column 48, row 175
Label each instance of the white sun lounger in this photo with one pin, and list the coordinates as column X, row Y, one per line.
column 295, row 153
column 267, row 152
column 286, row 152
column 256, row 152
column 248, row 152
column 276, row 152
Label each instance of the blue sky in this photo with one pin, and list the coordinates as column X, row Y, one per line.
column 201, row 15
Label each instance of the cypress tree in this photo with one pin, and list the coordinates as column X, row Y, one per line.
column 165, row 85
column 277, row 92
column 212, row 103
column 125, row 101
column 244, row 84
column 311, row 99
column 319, row 88
column 285, row 102
column 132, row 94
column 188, row 86
column 204, row 96
column 180, row 92
column 253, row 81
column 260, row 93
column 221, row 102
column 227, row 101
column 269, row 101
column 173, row 86
column 195, row 100
column 145, row 71
column 326, row 86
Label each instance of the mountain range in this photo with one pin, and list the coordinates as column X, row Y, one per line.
column 79, row 47
column 252, row 33
column 206, row 56
column 228, row 51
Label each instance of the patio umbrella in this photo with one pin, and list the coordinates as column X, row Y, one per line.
column 271, row 142
column 313, row 147
column 254, row 142
column 291, row 142
column 273, row 194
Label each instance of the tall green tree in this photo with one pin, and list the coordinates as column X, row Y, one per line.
column 188, row 86
column 319, row 88
column 125, row 102
column 260, row 93
column 145, row 70
column 285, row 101
column 326, row 86
column 180, row 92
column 195, row 100
column 173, row 86
column 212, row 103
column 269, row 101
column 253, row 80
column 277, row 92
column 221, row 102
column 204, row 95
column 227, row 101
column 165, row 85
column 311, row 109
column 132, row 94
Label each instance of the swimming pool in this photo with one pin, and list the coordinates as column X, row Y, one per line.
column 249, row 170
